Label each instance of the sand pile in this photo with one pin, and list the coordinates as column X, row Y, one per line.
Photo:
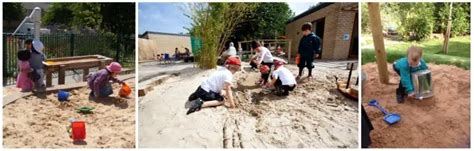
column 314, row 115
column 441, row 121
column 32, row 122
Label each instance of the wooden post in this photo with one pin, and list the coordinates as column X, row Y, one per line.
column 289, row 51
column 376, row 28
column 62, row 74
column 85, row 74
column 49, row 77
column 101, row 64
column 448, row 30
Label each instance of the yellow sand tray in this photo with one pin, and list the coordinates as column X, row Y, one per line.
column 350, row 92
column 50, row 62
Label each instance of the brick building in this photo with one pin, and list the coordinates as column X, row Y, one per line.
column 152, row 43
column 335, row 23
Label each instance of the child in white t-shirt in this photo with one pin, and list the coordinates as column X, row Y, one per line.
column 282, row 79
column 265, row 57
column 216, row 90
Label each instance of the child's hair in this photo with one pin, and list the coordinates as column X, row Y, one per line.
column 306, row 26
column 24, row 55
column 28, row 41
column 414, row 52
column 255, row 44
column 233, row 67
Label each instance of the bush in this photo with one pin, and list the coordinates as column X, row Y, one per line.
column 460, row 18
column 416, row 20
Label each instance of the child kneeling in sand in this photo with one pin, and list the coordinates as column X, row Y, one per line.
column 216, row 90
column 282, row 79
column 404, row 67
column 99, row 82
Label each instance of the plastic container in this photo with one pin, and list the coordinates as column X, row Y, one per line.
column 297, row 59
column 125, row 90
column 63, row 95
column 78, row 130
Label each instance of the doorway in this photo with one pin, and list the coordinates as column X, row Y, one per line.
column 354, row 50
column 319, row 31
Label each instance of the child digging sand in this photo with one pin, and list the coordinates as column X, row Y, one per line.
column 404, row 67
column 216, row 90
column 99, row 82
column 282, row 79
column 265, row 57
column 23, row 81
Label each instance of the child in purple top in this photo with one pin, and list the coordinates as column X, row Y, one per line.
column 99, row 82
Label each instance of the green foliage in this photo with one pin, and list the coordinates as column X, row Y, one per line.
column 267, row 21
column 432, row 51
column 115, row 19
column 87, row 15
column 213, row 23
column 460, row 18
column 365, row 24
column 59, row 14
column 118, row 17
column 416, row 20
column 13, row 11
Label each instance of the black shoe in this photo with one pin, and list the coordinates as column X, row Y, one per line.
column 192, row 97
column 400, row 96
column 195, row 106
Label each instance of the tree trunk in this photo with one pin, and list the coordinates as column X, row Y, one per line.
column 448, row 30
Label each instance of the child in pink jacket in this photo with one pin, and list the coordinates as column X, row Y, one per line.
column 23, row 81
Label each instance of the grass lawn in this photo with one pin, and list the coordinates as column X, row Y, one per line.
column 458, row 53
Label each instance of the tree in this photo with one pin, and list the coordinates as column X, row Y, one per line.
column 213, row 23
column 416, row 20
column 267, row 22
column 115, row 19
column 13, row 11
column 15, row 14
column 460, row 18
column 73, row 15
column 365, row 18
column 119, row 18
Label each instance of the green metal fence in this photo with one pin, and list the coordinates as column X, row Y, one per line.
column 64, row 45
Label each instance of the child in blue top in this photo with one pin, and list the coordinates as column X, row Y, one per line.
column 404, row 68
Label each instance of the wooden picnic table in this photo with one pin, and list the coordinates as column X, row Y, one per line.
column 61, row 65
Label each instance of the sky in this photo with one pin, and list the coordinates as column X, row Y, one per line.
column 170, row 17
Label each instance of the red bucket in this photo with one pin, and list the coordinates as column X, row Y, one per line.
column 78, row 130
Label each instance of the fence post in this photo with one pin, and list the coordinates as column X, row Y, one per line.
column 71, row 43
column 5, row 60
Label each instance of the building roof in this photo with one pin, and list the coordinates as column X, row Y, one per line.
column 309, row 11
column 161, row 33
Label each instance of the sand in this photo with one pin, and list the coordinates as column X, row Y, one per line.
column 315, row 115
column 32, row 122
column 441, row 121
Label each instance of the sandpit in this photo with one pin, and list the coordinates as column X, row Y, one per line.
column 315, row 115
column 32, row 122
column 441, row 121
